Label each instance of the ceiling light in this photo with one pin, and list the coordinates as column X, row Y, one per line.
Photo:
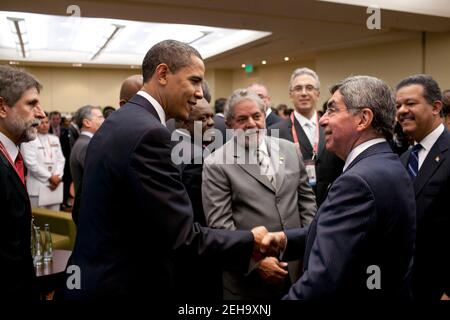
column 243, row 65
column 264, row 62
column 77, row 64
column 109, row 38
column 286, row 58
column 13, row 62
column 18, row 28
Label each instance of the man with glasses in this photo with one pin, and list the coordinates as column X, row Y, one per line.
column 303, row 128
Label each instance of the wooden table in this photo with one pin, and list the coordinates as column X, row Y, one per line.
column 51, row 275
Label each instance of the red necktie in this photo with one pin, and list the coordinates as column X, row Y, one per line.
column 19, row 167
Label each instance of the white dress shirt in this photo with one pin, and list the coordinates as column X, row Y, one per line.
column 359, row 149
column 156, row 105
column 428, row 142
column 309, row 126
column 10, row 147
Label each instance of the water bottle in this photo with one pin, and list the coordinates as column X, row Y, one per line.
column 48, row 244
column 38, row 251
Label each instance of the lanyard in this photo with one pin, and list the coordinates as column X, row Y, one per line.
column 6, row 154
column 295, row 136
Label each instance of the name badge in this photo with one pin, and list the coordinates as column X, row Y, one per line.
column 310, row 166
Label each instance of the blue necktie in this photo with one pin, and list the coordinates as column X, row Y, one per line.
column 413, row 161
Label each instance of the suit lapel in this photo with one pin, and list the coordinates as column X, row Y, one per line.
column 432, row 162
column 17, row 182
column 141, row 101
column 242, row 160
column 278, row 159
column 303, row 140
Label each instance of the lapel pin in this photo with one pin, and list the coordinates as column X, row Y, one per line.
column 281, row 160
column 437, row 159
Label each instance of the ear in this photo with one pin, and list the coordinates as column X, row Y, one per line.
column 437, row 107
column 365, row 119
column 3, row 113
column 86, row 123
column 161, row 72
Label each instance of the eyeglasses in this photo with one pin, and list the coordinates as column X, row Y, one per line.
column 308, row 88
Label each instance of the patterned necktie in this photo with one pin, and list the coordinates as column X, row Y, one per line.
column 19, row 167
column 309, row 132
column 413, row 161
column 266, row 167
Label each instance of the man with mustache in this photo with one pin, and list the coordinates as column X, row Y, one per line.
column 256, row 180
column 419, row 107
column 20, row 112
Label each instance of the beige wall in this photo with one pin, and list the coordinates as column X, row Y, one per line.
column 66, row 89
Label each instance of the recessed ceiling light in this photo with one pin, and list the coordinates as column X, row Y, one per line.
column 286, row 58
column 243, row 65
column 264, row 62
column 77, row 64
column 13, row 62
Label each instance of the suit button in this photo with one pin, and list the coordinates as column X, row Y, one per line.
column 278, row 199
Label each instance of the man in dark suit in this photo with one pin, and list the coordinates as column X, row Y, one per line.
column 89, row 119
column 323, row 166
column 360, row 243
column 419, row 104
column 262, row 92
column 135, row 212
column 20, row 112
column 219, row 120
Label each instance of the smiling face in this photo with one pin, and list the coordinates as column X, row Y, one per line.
column 44, row 126
column 414, row 113
column 304, row 95
column 183, row 88
column 20, row 121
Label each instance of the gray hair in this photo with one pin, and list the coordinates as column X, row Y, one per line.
column 306, row 71
column 360, row 92
column 174, row 53
column 237, row 97
column 82, row 113
column 14, row 82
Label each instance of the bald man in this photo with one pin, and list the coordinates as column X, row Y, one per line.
column 130, row 87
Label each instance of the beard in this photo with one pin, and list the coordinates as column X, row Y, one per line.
column 25, row 131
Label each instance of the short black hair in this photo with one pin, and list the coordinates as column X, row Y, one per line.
column 219, row 105
column 174, row 53
column 431, row 90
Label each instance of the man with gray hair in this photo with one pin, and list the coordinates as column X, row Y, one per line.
column 20, row 111
column 89, row 119
column 303, row 129
column 256, row 180
column 361, row 242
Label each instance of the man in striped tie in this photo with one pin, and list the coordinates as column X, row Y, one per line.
column 253, row 180
column 419, row 107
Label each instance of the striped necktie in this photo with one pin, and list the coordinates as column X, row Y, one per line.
column 413, row 161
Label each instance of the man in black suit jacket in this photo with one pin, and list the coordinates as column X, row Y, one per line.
column 262, row 92
column 304, row 92
column 360, row 243
column 219, row 120
column 135, row 212
column 89, row 119
column 419, row 105
column 20, row 112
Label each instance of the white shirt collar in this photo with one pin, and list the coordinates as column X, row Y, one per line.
column 87, row 133
column 302, row 119
column 156, row 105
column 432, row 137
column 268, row 112
column 359, row 149
column 10, row 147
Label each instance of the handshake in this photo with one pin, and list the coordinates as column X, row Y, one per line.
column 267, row 243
